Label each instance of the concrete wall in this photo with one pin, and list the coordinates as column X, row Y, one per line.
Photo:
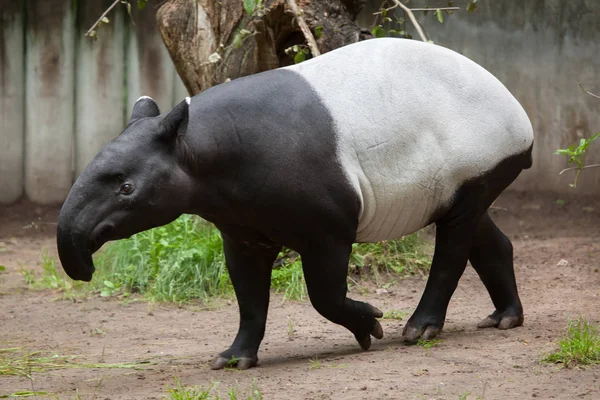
column 540, row 49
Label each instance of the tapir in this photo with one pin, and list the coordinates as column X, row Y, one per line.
column 368, row 142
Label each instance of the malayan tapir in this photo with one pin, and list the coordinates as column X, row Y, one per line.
column 366, row 143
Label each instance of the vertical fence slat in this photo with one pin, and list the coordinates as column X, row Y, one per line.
column 12, row 130
column 49, row 101
column 149, row 66
column 100, row 74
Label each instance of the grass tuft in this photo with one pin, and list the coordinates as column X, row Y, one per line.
column 401, row 257
column 581, row 346
column 181, row 392
column 184, row 260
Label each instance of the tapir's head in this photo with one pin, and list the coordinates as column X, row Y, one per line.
column 135, row 183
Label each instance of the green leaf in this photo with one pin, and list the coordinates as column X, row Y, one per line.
column 472, row 6
column 142, row 4
column 249, row 6
column 109, row 284
column 378, row 31
column 318, row 31
column 299, row 57
column 2, row 268
column 440, row 15
column 128, row 5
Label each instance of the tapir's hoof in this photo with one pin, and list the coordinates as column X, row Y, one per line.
column 376, row 332
column 412, row 333
column 221, row 362
column 502, row 320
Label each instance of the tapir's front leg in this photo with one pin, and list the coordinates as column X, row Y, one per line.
column 249, row 263
column 325, row 270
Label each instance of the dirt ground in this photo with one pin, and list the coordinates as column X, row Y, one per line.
column 304, row 356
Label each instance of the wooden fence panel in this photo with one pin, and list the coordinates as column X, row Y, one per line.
column 100, row 81
column 149, row 66
column 11, row 100
column 49, row 100
column 179, row 90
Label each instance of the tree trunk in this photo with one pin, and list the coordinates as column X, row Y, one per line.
column 211, row 41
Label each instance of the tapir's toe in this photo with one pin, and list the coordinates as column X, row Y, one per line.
column 221, row 362
column 377, row 331
column 414, row 331
column 365, row 340
column 502, row 320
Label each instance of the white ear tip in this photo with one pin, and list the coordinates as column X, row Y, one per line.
column 188, row 100
column 144, row 97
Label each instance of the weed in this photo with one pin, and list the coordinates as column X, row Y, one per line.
column 581, row 346
column 314, row 364
column 428, row 343
column 464, row 396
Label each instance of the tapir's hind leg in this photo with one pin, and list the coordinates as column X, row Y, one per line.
column 249, row 263
column 492, row 258
column 325, row 271
column 452, row 245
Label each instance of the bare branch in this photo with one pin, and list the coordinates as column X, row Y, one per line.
column 435, row 9
column 584, row 167
column 588, row 92
column 418, row 9
column 310, row 39
column 413, row 20
column 113, row 5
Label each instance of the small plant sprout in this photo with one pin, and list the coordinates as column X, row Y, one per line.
column 576, row 154
column 581, row 346
column 291, row 331
column 428, row 343
column 314, row 364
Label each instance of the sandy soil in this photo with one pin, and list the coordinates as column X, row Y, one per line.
column 304, row 356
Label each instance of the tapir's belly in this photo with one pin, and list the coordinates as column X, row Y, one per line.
column 400, row 192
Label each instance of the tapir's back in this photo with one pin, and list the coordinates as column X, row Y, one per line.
column 413, row 122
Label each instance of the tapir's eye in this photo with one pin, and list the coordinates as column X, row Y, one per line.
column 127, row 188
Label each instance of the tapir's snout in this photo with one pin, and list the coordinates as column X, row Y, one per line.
column 74, row 252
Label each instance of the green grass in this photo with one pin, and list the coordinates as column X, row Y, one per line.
column 17, row 361
column 184, row 260
column 401, row 257
column 212, row 392
column 428, row 343
column 581, row 346
column 395, row 314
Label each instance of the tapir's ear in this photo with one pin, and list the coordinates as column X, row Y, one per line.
column 144, row 107
column 175, row 122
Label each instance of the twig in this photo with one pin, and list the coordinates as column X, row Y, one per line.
column 587, row 91
column 310, row 39
column 436, row 8
column 418, row 9
column 584, row 167
column 413, row 20
column 113, row 5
